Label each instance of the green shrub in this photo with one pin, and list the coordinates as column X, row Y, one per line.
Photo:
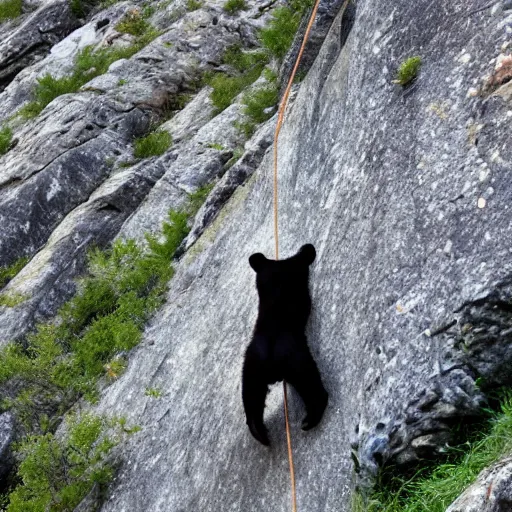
column 58, row 472
column 154, row 144
column 7, row 273
column 278, row 36
column 435, row 488
column 124, row 286
column 247, row 68
column 5, row 140
column 408, row 71
column 259, row 100
column 10, row 9
column 233, row 6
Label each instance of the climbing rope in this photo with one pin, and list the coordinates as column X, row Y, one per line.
column 280, row 119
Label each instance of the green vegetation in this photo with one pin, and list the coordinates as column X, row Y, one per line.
column 11, row 300
column 58, row 472
column 237, row 154
column 7, row 273
column 247, row 67
column 233, row 6
column 134, row 23
column 197, row 198
column 435, row 488
column 193, row 5
column 153, row 392
column 214, row 145
column 121, row 82
column 88, row 64
column 259, row 100
column 5, row 140
column 62, row 361
column 278, row 36
column 408, row 71
column 10, row 9
column 154, row 144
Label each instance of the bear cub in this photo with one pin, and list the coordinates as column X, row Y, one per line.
column 278, row 349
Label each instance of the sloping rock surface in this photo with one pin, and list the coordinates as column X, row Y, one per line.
column 492, row 492
column 405, row 194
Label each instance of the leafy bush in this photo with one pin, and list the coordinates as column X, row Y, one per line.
column 233, row 6
column 434, row 489
column 58, row 472
column 10, row 9
column 7, row 273
column 154, row 144
column 5, row 140
column 408, row 71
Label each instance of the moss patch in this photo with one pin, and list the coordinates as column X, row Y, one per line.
column 408, row 71
column 10, row 9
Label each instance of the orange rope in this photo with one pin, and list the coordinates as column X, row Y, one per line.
column 280, row 118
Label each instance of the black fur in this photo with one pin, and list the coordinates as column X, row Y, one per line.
column 278, row 349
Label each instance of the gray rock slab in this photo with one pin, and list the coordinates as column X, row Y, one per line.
column 6, row 438
column 31, row 40
column 47, row 280
column 387, row 183
column 492, row 492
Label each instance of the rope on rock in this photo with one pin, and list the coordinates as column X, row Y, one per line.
column 280, row 119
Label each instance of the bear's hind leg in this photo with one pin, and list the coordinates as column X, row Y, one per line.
column 302, row 373
column 254, row 392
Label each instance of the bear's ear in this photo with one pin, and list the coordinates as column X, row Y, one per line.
column 307, row 253
column 257, row 261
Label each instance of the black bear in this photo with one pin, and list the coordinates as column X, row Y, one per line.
column 279, row 349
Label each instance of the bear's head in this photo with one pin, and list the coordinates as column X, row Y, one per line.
column 281, row 280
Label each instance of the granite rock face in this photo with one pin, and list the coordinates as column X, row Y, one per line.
column 405, row 193
column 492, row 492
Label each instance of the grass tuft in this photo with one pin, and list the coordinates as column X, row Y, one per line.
column 233, row 6
column 133, row 23
column 247, row 69
column 259, row 102
column 10, row 9
column 7, row 273
column 193, row 5
column 5, row 140
column 408, row 71
column 154, row 144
